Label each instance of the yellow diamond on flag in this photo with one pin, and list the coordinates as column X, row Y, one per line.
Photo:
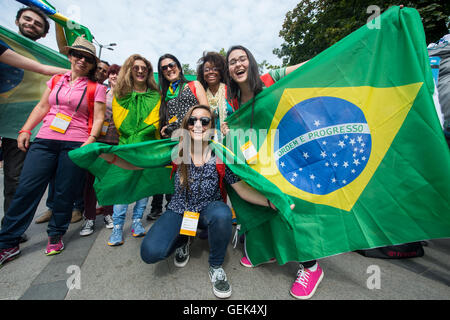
column 325, row 144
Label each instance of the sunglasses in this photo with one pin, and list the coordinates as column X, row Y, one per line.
column 204, row 120
column 167, row 66
column 139, row 68
column 88, row 58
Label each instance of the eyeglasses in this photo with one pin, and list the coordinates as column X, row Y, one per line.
column 77, row 54
column 204, row 120
column 167, row 66
column 211, row 70
column 139, row 68
column 241, row 59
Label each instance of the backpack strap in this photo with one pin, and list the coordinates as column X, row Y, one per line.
column 267, row 80
column 55, row 80
column 174, row 168
column 193, row 88
column 220, row 167
column 91, row 87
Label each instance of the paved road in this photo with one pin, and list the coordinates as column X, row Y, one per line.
column 107, row 273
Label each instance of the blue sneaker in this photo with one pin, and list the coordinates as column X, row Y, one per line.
column 116, row 238
column 137, row 229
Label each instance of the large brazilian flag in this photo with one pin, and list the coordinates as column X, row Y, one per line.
column 354, row 141
column 21, row 90
column 352, row 138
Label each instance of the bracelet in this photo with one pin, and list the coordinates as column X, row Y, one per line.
column 27, row 131
column 114, row 159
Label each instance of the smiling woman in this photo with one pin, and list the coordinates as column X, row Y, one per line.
column 135, row 113
column 66, row 108
column 212, row 75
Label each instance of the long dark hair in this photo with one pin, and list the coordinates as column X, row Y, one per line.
column 164, row 85
column 217, row 60
column 254, row 80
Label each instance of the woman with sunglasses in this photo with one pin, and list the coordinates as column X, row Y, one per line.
column 245, row 83
column 65, row 109
column 135, row 110
column 178, row 96
column 197, row 192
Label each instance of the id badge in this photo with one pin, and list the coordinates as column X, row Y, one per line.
column 249, row 152
column 60, row 123
column 105, row 128
column 189, row 223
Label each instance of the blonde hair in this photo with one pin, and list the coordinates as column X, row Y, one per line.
column 125, row 83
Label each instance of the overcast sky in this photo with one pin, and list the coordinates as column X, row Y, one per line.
column 184, row 28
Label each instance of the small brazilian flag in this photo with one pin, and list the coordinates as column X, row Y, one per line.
column 354, row 141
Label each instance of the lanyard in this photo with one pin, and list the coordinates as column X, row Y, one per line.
column 79, row 103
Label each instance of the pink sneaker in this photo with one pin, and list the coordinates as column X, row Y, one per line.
column 306, row 283
column 55, row 245
column 246, row 262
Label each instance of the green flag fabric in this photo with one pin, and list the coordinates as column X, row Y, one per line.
column 352, row 138
column 114, row 185
column 136, row 116
column 355, row 142
column 21, row 90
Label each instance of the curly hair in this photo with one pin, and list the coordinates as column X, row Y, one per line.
column 217, row 60
column 125, row 83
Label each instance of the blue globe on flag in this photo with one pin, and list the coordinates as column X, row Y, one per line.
column 10, row 77
column 324, row 143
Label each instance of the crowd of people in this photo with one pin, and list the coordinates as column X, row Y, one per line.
column 77, row 109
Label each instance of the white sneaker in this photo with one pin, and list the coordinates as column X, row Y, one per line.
column 221, row 286
column 108, row 222
column 87, row 228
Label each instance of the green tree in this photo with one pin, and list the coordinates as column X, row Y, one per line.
column 314, row 25
column 187, row 69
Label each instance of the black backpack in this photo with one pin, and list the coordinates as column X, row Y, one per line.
column 401, row 251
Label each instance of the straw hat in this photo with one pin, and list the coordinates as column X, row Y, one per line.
column 82, row 44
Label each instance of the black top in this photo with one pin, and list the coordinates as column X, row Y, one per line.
column 2, row 49
column 180, row 105
column 203, row 187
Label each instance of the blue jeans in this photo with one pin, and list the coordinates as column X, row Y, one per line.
column 164, row 236
column 120, row 211
column 44, row 160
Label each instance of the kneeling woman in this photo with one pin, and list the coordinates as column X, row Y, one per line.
column 196, row 190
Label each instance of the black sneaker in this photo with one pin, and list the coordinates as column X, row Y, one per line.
column 182, row 255
column 221, row 286
column 154, row 214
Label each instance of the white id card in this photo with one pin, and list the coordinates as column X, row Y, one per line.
column 105, row 128
column 250, row 153
column 189, row 223
column 60, row 123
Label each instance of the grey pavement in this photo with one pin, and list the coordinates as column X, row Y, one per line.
column 117, row 273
